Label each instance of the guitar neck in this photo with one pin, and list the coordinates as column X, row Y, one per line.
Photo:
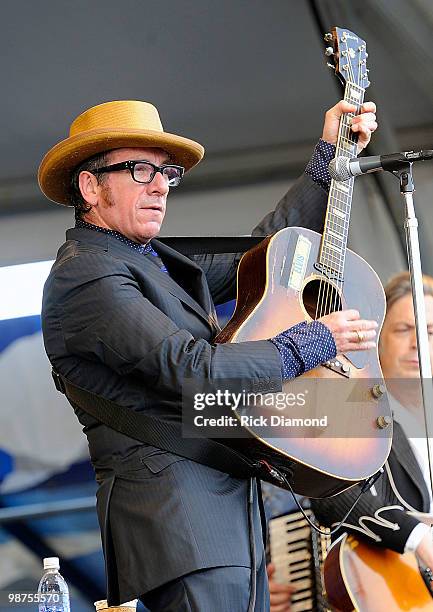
column 336, row 230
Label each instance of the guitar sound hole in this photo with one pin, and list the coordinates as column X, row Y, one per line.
column 320, row 297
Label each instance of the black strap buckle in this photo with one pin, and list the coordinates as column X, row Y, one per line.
column 58, row 382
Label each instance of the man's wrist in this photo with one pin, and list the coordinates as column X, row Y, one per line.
column 317, row 167
column 303, row 347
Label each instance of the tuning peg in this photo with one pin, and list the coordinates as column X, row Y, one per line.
column 327, row 37
column 329, row 51
column 331, row 66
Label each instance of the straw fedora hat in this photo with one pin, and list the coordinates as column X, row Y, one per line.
column 112, row 125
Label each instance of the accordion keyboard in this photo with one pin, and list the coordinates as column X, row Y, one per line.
column 298, row 553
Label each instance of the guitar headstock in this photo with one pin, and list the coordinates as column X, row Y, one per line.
column 347, row 55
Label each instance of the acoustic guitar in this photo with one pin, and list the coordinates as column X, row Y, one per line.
column 363, row 577
column 332, row 427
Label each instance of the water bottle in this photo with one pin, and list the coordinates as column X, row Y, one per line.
column 53, row 590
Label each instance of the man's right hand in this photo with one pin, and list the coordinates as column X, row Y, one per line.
column 350, row 332
column 424, row 550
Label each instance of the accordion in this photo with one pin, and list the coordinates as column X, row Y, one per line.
column 298, row 553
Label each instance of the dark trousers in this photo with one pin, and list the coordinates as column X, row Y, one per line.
column 219, row 589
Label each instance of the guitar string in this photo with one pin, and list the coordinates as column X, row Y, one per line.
column 336, row 292
column 320, row 304
column 332, row 262
column 353, row 139
column 349, row 137
column 325, row 256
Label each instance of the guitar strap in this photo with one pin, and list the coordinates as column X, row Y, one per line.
column 153, row 431
column 164, row 435
column 200, row 245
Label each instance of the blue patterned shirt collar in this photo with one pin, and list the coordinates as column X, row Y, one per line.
column 144, row 249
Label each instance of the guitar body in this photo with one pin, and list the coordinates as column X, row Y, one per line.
column 366, row 578
column 279, row 286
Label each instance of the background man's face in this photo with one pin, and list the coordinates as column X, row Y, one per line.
column 398, row 346
column 135, row 210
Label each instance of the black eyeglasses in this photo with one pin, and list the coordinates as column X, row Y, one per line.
column 144, row 171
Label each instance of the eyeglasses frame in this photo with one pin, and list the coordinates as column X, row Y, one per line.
column 130, row 165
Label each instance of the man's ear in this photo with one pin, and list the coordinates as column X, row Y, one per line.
column 89, row 187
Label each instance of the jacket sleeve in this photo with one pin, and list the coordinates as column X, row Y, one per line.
column 105, row 318
column 304, row 205
column 385, row 524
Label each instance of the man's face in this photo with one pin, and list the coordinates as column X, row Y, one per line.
column 397, row 345
column 134, row 209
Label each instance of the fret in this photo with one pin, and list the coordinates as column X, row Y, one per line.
column 338, row 227
column 339, row 235
column 340, row 197
column 331, row 256
column 335, row 235
column 338, row 213
column 354, row 96
column 341, row 186
column 341, row 206
column 339, row 221
column 332, row 253
column 340, row 201
column 334, row 240
column 331, row 267
column 341, row 212
column 328, row 245
column 346, row 118
column 345, row 131
column 351, row 85
column 337, row 224
column 337, row 200
column 346, row 142
column 346, row 151
column 352, row 142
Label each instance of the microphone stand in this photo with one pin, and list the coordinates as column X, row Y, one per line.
column 403, row 171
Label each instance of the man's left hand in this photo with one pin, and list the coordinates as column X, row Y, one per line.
column 363, row 124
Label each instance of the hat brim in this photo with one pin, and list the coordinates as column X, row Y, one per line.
column 56, row 167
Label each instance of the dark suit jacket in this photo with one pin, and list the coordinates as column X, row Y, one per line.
column 118, row 326
column 410, row 484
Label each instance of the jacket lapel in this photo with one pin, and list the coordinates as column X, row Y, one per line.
column 188, row 282
column 185, row 280
column 408, row 462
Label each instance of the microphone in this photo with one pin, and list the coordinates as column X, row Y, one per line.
column 343, row 168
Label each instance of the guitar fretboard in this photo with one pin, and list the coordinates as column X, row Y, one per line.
column 336, row 230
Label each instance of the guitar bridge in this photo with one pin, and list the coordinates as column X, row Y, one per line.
column 338, row 367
